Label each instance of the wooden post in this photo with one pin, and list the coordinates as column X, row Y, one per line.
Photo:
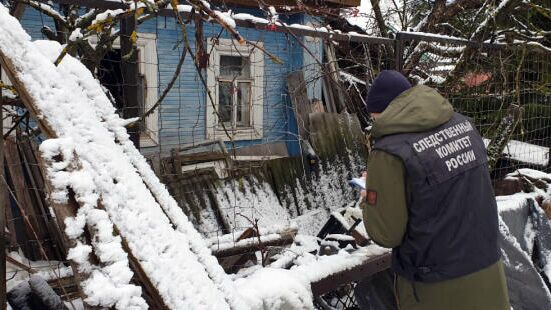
column 2, row 215
column 129, row 67
column 398, row 51
column 300, row 101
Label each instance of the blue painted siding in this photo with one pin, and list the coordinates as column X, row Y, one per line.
column 182, row 115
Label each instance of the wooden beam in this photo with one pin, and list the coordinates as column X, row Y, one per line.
column 301, row 104
column 252, row 245
column 151, row 294
column 27, row 99
column 367, row 268
column 28, row 152
column 19, row 264
column 35, row 222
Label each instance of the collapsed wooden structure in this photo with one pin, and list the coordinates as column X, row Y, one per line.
column 58, row 213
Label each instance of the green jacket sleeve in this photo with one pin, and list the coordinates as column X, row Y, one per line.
column 385, row 210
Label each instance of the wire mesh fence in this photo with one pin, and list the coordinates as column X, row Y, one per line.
column 503, row 89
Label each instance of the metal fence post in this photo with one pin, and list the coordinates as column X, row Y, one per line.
column 398, row 51
column 131, row 106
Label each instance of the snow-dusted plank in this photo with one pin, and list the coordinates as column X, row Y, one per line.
column 176, row 260
column 525, row 152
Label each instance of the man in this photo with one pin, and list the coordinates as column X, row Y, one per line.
column 429, row 197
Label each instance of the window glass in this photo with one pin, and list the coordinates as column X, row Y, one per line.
column 234, row 67
column 243, row 118
column 225, row 102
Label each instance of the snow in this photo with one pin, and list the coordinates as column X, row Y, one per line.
column 245, row 242
column 76, row 35
column 181, row 7
column 436, row 36
column 310, row 222
column 340, row 237
column 261, row 293
column 306, row 27
column 531, row 173
column 525, row 152
column 226, row 17
column 490, row 17
column 101, row 17
column 249, row 17
column 48, row 270
column 49, row 9
column 315, row 268
column 513, row 202
column 350, row 78
column 245, row 201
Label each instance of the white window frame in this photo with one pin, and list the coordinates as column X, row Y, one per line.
column 217, row 48
column 147, row 59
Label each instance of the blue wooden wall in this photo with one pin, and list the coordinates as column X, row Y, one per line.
column 182, row 114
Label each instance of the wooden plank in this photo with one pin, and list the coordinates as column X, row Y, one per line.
column 332, row 79
column 69, row 209
column 24, row 94
column 286, row 238
column 19, row 264
column 37, row 189
column 24, row 202
column 231, row 263
column 336, row 134
column 62, row 212
column 367, row 268
column 299, row 99
column 151, row 293
column 328, row 94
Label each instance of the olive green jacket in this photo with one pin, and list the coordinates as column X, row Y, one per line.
column 416, row 110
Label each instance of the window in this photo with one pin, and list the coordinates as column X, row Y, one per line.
column 235, row 80
column 111, row 78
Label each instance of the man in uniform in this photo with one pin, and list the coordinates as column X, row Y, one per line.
column 429, row 197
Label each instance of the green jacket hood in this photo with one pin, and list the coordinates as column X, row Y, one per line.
column 418, row 109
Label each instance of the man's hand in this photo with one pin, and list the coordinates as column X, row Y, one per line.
column 363, row 193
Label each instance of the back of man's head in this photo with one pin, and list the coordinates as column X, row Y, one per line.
column 386, row 86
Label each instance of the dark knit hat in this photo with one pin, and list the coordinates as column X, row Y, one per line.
column 386, row 86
